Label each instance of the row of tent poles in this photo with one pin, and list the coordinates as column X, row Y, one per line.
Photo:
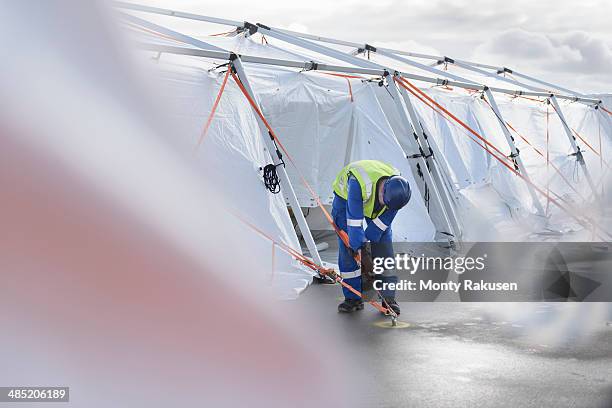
column 328, row 272
column 477, row 138
column 313, row 43
column 494, row 152
column 451, row 220
column 508, row 162
column 550, row 196
column 557, row 200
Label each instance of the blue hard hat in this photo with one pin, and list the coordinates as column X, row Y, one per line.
column 396, row 192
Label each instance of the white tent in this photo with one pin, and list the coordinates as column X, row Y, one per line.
column 230, row 157
column 326, row 120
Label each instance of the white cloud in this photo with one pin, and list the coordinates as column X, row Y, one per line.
column 576, row 51
column 576, row 58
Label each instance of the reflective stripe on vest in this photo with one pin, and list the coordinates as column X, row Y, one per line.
column 366, row 188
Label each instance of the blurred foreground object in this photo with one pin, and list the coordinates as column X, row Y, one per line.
column 112, row 283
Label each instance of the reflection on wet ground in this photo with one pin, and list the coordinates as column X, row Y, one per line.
column 476, row 354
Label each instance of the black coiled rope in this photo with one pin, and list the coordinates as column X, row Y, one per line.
column 270, row 178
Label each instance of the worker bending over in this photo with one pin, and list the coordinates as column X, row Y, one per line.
column 375, row 191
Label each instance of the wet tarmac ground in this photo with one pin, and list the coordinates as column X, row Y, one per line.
column 475, row 354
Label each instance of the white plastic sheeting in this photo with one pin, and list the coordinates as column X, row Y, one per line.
column 500, row 197
column 230, row 158
column 324, row 129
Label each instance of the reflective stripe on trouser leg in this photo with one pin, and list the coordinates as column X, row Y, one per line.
column 354, row 223
column 350, row 275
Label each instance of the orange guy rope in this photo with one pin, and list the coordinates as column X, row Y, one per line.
column 508, row 166
column 548, row 162
column 406, row 84
column 310, row 264
column 605, row 110
column 214, row 109
column 342, row 234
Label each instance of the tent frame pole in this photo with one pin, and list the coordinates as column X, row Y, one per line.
column 510, row 140
column 297, row 39
column 575, row 147
column 496, row 76
column 431, row 161
column 544, row 83
column 515, row 152
column 225, row 55
column 168, row 32
column 427, row 161
column 415, row 64
column 451, row 225
column 286, row 185
column 297, row 35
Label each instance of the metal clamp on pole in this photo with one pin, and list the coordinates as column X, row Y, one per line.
column 514, row 157
column 504, row 70
column 311, row 66
column 265, row 27
column 579, row 156
column 572, row 139
column 250, row 27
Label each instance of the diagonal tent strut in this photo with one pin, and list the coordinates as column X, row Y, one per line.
column 372, row 68
column 575, row 147
column 430, row 167
column 286, row 185
column 493, row 104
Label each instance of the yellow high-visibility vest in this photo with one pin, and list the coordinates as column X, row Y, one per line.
column 367, row 173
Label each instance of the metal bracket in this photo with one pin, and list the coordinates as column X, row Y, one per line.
column 252, row 28
column 312, row 66
column 579, row 156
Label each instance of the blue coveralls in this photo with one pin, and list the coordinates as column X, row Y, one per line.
column 348, row 216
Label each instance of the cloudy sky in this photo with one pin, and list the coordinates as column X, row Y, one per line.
column 569, row 43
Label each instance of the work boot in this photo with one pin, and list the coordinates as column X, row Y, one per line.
column 392, row 303
column 350, row 305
